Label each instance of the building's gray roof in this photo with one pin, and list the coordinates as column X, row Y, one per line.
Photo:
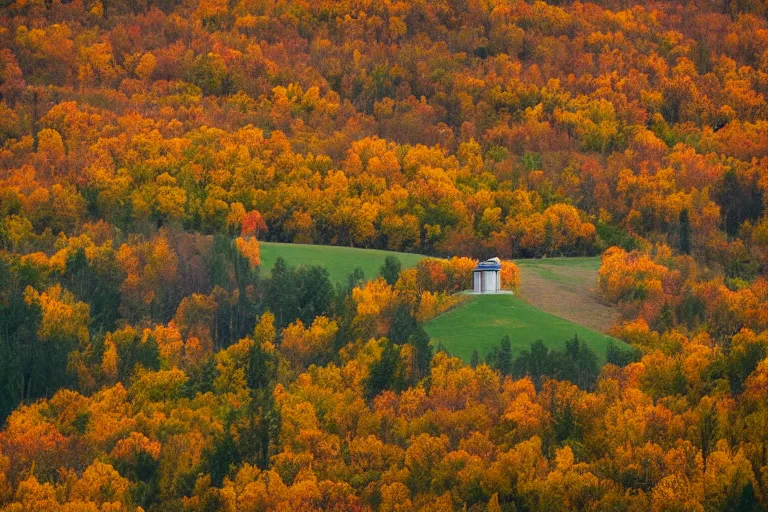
column 491, row 264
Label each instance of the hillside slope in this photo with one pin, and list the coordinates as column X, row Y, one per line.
column 566, row 287
column 482, row 322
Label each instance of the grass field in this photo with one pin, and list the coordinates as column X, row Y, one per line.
column 340, row 261
column 565, row 271
column 566, row 287
column 483, row 321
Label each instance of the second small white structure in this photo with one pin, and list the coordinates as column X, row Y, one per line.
column 487, row 276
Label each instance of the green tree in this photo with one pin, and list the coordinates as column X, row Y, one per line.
column 420, row 341
column 19, row 322
column 500, row 358
column 691, row 310
column 738, row 201
column 619, row 357
column 280, row 294
column 223, row 455
column 133, row 352
column 386, row 372
column 403, row 324
column 746, row 502
column 314, row 293
column 475, row 360
column 534, row 363
column 293, row 293
column 707, row 429
column 577, row 364
column 685, row 232
column 259, row 442
column 355, row 278
column 390, row 271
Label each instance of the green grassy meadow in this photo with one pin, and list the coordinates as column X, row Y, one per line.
column 340, row 261
column 590, row 262
column 561, row 270
column 483, row 321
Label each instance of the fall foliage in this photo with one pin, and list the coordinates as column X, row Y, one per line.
column 148, row 362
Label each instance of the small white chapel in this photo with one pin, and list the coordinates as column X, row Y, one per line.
column 487, row 276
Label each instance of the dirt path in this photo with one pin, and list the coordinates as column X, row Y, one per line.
column 567, row 291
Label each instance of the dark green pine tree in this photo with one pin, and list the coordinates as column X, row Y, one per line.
column 259, row 442
column 99, row 288
column 355, row 278
column 707, row 433
column 728, row 195
column 137, row 353
column 222, row 456
column 403, row 325
column 280, row 294
column 534, row 363
column 739, row 200
column 314, row 293
column 503, row 359
column 685, row 232
column 385, row 373
column 620, row 357
column 747, row 501
column 420, row 341
column 578, row 364
column 475, row 360
column 390, row 271
column 665, row 320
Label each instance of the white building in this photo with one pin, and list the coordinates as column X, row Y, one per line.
column 487, row 276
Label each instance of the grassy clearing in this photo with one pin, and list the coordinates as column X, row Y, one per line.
column 566, row 287
column 565, row 271
column 482, row 322
column 592, row 262
column 340, row 261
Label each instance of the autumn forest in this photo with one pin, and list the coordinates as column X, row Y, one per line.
column 150, row 362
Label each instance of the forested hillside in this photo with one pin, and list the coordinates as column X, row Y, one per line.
column 148, row 362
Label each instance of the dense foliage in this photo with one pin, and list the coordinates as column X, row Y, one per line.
column 147, row 361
